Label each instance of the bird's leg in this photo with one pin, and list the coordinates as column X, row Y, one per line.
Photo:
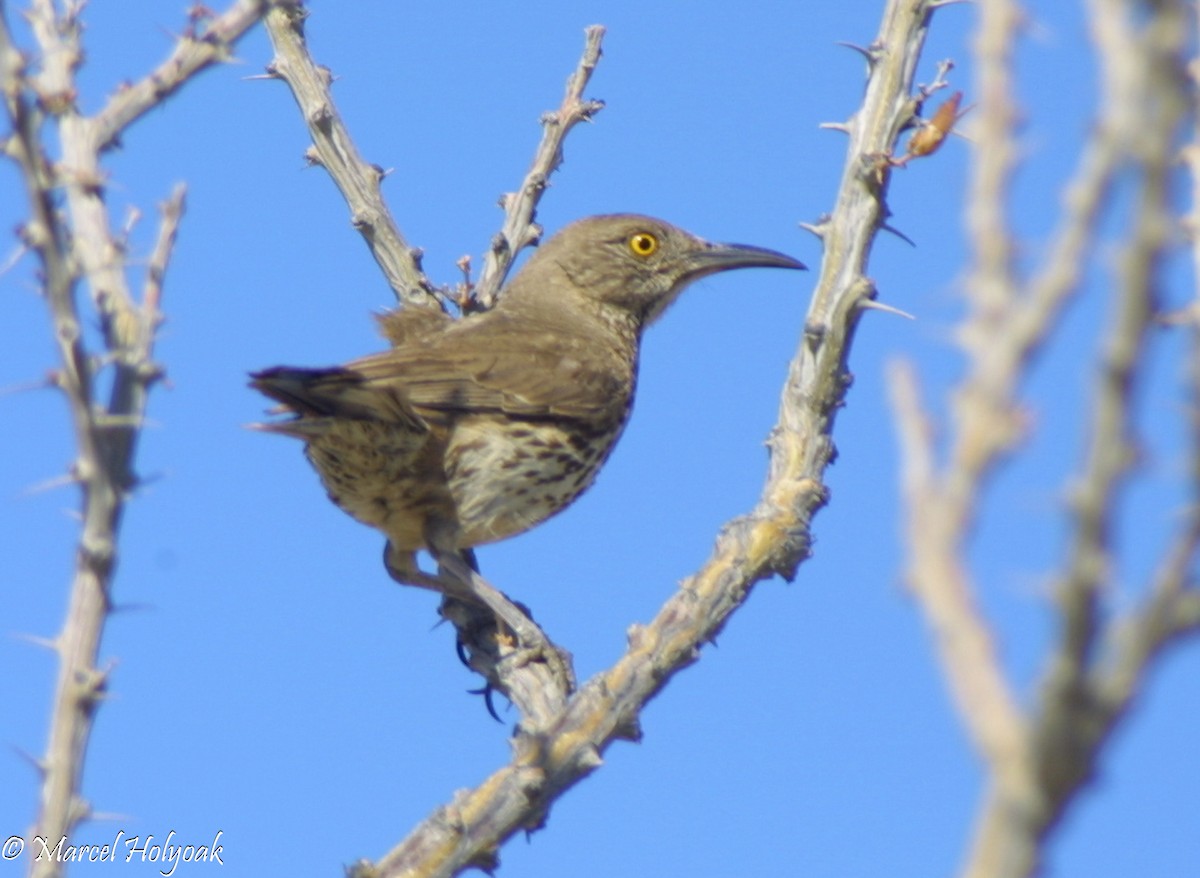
column 459, row 579
column 402, row 567
column 463, row 570
column 463, row 583
column 531, row 639
column 529, row 636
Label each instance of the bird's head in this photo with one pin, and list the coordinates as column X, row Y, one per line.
column 631, row 263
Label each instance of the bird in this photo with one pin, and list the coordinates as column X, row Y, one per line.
column 471, row 430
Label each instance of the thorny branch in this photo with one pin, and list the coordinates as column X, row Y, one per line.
column 332, row 149
column 553, row 753
column 77, row 245
column 520, row 207
column 1040, row 758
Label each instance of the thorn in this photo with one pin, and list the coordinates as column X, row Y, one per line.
column 51, row 380
column 1180, row 316
column 110, row 816
column 67, row 478
column 42, row 642
column 887, row 309
column 25, row 756
column 630, row 731
column 589, row 757
column 835, row 126
column 899, row 234
column 866, row 53
column 13, row 258
column 818, row 228
column 80, row 809
column 140, row 607
column 590, row 108
column 132, row 215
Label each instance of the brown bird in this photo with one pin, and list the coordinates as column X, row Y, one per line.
column 469, row 431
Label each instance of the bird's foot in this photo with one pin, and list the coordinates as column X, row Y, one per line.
column 529, row 643
column 519, row 641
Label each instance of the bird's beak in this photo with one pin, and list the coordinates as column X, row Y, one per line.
column 722, row 257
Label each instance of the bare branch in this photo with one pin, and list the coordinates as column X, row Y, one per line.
column 172, row 213
column 206, row 41
column 80, row 685
column 1112, row 448
column 520, row 207
column 1144, row 102
column 333, row 149
column 80, row 244
column 946, row 591
column 993, row 284
column 1171, row 611
column 1146, row 64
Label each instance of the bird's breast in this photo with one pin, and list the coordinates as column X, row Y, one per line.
column 507, row 475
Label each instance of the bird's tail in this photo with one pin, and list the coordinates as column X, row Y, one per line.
column 315, row 396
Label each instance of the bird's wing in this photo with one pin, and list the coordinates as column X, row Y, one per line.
column 314, row 395
column 534, row 372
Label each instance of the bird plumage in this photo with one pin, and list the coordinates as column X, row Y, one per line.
column 469, row 431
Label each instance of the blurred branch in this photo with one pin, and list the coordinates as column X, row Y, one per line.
column 993, row 285
column 940, row 505
column 1040, row 759
column 520, row 207
column 335, row 151
column 208, row 39
column 1171, row 611
column 773, row 539
column 943, row 585
column 1112, row 442
column 79, row 244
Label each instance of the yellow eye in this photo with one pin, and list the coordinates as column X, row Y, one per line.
column 643, row 244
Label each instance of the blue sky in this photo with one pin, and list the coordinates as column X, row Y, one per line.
column 272, row 684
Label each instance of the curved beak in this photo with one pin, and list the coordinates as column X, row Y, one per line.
column 722, row 257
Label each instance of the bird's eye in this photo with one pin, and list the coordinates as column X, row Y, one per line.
column 643, row 244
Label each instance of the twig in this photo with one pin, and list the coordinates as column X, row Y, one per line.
column 195, row 50
column 1171, row 611
column 993, row 285
column 334, row 150
column 520, row 207
column 160, row 257
column 945, row 590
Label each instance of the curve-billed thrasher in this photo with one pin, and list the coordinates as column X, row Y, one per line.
column 469, row 431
